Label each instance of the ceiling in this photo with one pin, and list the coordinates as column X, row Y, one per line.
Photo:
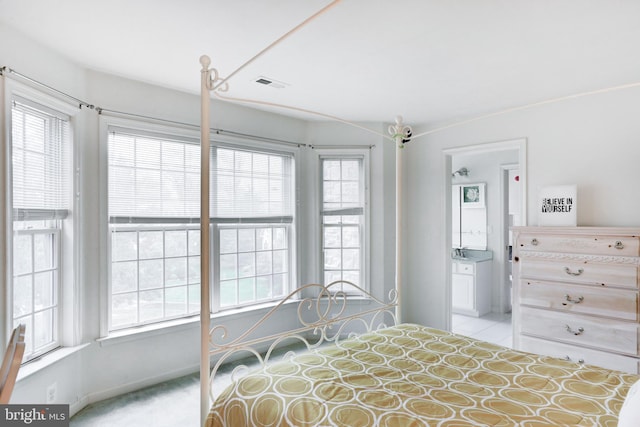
column 431, row 61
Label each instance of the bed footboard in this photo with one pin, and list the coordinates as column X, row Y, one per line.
column 315, row 314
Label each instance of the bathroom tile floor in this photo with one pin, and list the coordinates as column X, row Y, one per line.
column 493, row 327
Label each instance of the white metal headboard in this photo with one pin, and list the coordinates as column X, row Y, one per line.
column 322, row 316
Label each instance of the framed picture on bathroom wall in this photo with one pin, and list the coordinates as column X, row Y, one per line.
column 472, row 195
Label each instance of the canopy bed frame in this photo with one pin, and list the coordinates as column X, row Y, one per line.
column 329, row 305
column 460, row 369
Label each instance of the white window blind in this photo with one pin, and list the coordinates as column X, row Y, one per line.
column 153, row 179
column 40, row 162
column 251, row 186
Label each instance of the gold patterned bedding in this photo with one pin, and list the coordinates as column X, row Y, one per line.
column 410, row 375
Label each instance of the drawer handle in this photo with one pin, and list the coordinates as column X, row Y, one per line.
column 568, row 359
column 534, row 242
column 578, row 332
column 573, row 273
column 573, row 301
column 618, row 245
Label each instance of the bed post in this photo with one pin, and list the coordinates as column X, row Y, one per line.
column 400, row 134
column 205, row 318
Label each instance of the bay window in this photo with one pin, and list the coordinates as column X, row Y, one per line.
column 154, row 233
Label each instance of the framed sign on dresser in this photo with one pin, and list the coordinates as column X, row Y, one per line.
column 575, row 294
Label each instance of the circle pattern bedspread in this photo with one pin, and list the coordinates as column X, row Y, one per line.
column 409, row 376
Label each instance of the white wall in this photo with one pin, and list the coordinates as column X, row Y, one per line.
column 593, row 142
column 103, row 369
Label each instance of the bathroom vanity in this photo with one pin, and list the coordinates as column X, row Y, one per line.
column 471, row 282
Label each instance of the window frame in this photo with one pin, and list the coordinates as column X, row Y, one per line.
column 55, row 231
column 160, row 228
column 66, row 239
column 362, row 154
column 108, row 125
column 220, row 223
column 109, row 122
column 216, row 306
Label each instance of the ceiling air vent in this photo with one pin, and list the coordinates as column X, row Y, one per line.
column 270, row 82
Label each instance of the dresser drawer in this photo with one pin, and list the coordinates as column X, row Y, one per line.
column 604, row 334
column 579, row 354
column 594, row 245
column 582, row 271
column 615, row 303
column 463, row 267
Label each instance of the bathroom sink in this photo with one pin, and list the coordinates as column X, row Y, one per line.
column 472, row 255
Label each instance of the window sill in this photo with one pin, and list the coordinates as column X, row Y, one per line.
column 160, row 328
column 42, row 362
column 133, row 334
column 170, row 326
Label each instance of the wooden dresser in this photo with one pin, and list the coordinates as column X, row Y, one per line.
column 575, row 294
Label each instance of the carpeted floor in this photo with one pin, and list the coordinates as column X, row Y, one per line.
column 174, row 403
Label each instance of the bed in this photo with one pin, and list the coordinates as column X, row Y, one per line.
column 356, row 368
column 369, row 368
column 411, row 375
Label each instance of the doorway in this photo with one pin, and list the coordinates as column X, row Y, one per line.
column 479, row 288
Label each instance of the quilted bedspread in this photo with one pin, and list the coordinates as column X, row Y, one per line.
column 410, row 375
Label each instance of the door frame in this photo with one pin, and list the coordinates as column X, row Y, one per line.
column 504, row 301
column 519, row 144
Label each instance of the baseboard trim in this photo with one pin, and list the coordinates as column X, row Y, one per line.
column 101, row 395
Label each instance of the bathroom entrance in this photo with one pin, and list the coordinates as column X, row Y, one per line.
column 487, row 185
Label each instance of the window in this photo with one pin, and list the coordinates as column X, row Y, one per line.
column 40, row 186
column 343, row 193
column 154, row 226
column 154, row 208
column 253, row 214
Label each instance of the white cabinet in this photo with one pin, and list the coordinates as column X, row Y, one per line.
column 576, row 294
column 471, row 287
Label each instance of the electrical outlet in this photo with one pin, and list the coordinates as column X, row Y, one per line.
column 52, row 392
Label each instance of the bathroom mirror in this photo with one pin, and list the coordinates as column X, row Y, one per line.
column 469, row 221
